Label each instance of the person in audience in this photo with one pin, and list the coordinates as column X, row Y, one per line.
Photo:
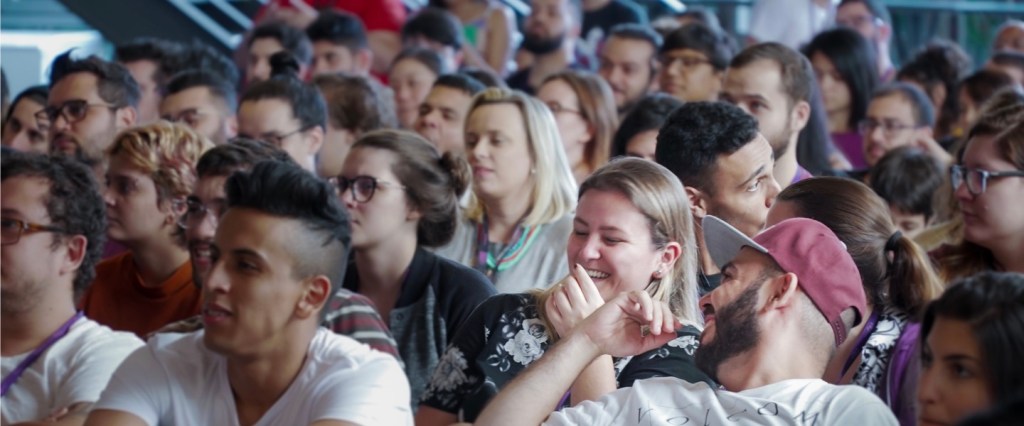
column 637, row 136
column 871, row 19
column 435, row 29
column 792, row 286
column 600, row 16
column 5, row 95
column 286, row 112
column 490, row 32
column 550, row 34
column 1009, row 62
column 355, row 105
column 151, row 62
column 974, row 90
column 410, row 77
column 486, row 77
column 21, row 130
column 584, row 111
column 442, row 114
column 517, row 218
column 632, row 231
column 842, row 60
column 774, row 84
column 693, row 60
column 987, row 180
column 206, row 58
column 270, row 38
column 1009, row 36
column 725, row 166
column 90, row 101
column 55, row 361
column 700, row 15
column 971, row 342
column 898, row 282
column 262, row 353
column 936, row 69
column 628, row 62
column 203, row 101
column 899, row 114
column 815, row 151
column 907, row 178
column 340, row 44
column 403, row 197
column 152, row 170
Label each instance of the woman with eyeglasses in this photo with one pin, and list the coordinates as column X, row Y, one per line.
column 151, row 171
column 519, row 214
column 584, row 110
column 988, row 184
column 402, row 197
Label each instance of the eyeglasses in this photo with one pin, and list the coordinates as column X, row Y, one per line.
column 977, row 179
column 72, row 111
column 363, row 187
column 686, row 61
column 889, row 128
column 276, row 139
column 556, row 108
column 12, row 229
column 196, row 212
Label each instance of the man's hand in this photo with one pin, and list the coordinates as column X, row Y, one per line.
column 630, row 324
column 575, row 299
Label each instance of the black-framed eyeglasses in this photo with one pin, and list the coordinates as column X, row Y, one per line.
column 196, row 212
column 363, row 187
column 12, row 229
column 977, row 179
column 73, row 111
column 889, row 128
column 276, row 139
column 556, row 108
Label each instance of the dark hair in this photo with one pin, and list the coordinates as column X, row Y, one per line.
column 853, row 57
column 920, row 105
column 703, row 39
column 703, row 15
column 428, row 58
column 650, row 113
column 433, row 182
column 794, row 69
column 941, row 63
column 73, row 202
column 860, row 219
column 984, row 83
column 203, row 57
column 166, row 54
column 356, row 103
column 284, row 84
column 291, row 39
column 814, row 146
column 460, row 81
column 486, row 77
column 999, row 112
column 434, row 24
column 217, row 86
column 992, row 303
column 238, row 154
column 285, row 190
column 597, row 109
column 339, row 28
column 1008, row 58
column 876, row 8
column 37, row 94
column 907, row 178
column 632, row 31
column 113, row 82
column 696, row 134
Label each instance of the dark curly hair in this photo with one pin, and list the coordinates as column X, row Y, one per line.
column 650, row 113
column 114, row 84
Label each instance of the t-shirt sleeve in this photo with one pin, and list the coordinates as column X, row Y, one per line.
column 604, row 410
column 854, row 402
column 469, row 289
column 92, row 368
column 138, row 386
column 674, row 359
column 375, row 393
column 353, row 315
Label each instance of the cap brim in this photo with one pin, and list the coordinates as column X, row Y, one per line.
column 724, row 242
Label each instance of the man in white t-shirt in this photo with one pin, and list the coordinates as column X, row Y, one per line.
column 787, row 299
column 262, row 358
column 54, row 362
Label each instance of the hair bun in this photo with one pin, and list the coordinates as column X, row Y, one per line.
column 458, row 168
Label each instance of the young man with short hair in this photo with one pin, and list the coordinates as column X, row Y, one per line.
column 693, row 61
column 628, row 61
column 442, row 114
column 203, row 101
column 899, row 114
column 438, row 30
column 339, row 44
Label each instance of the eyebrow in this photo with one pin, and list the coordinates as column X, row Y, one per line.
column 758, row 172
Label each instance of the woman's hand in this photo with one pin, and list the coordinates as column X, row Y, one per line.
column 574, row 300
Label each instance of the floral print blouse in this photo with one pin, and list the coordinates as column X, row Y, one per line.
column 505, row 334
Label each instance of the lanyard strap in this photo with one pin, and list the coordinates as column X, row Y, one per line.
column 862, row 340
column 488, row 263
column 37, row 352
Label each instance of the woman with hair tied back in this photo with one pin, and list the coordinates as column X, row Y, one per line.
column 898, row 281
column 632, row 231
column 584, row 110
column 519, row 214
column 402, row 197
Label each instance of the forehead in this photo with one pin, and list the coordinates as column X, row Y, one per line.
column 265, row 115
column 370, row 162
column 209, row 188
column 762, row 77
column 141, row 70
column 611, row 207
column 894, row 107
column 448, row 97
column 25, row 197
column 408, row 68
column 266, row 45
column 496, row 117
column 624, row 49
column 249, row 229
column 550, row 5
column 324, row 46
column 733, row 169
column 556, row 90
column 193, row 97
column 79, row 85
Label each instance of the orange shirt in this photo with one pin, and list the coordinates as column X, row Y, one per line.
column 117, row 298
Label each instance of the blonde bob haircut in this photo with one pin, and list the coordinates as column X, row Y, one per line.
column 554, row 186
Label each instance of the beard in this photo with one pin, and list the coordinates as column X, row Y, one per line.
column 779, row 142
column 539, row 45
column 736, row 331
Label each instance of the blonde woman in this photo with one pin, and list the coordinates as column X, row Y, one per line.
column 518, row 216
column 632, row 230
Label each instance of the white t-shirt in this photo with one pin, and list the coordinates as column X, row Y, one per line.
column 670, row 401
column 176, row 380
column 75, row 369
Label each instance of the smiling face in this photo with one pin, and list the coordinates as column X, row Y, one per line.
column 499, row 153
column 611, row 239
column 954, row 381
column 988, row 217
column 201, row 226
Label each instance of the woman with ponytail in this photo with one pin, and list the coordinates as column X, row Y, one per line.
column 898, row 281
column 402, row 196
column 285, row 112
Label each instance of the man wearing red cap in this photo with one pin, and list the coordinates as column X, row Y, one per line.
column 788, row 297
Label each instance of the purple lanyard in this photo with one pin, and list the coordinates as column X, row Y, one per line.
column 37, row 352
column 869, row 327
column 483, row 245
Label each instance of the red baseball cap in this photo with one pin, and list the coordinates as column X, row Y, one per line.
column 810, row 250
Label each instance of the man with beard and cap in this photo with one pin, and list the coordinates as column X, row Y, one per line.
column 90, row 101
column 789, row 298
column 550, row 35
column 774, row 83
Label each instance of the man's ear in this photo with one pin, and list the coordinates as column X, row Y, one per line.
column 364, row 60
column 315, row 297
column 799, row 117
column 782, row 291
column 698, row 204
column 126, row 117
column 316, row 140
column 77, row 245
column 231, row 126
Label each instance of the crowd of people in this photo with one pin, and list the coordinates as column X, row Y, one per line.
column 609, row 214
